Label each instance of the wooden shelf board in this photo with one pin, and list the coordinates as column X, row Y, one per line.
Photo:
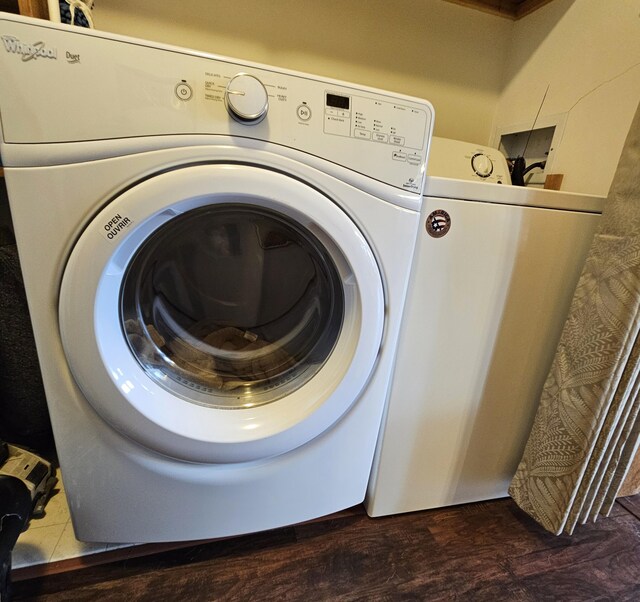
column 510, row 9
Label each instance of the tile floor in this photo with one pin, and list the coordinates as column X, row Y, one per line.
column 51, row 538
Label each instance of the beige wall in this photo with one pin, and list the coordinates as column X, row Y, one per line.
column 588, row 53
column 451, row 55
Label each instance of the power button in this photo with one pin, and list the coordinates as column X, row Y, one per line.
column 184, row 91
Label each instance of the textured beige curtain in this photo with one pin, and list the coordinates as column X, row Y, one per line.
column 587, row 428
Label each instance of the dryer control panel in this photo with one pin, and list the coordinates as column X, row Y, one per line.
column 78, row 85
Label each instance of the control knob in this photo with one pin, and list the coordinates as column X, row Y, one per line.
column 246, row 99
column 482, row 165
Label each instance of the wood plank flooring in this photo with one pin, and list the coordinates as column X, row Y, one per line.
column 488, row 551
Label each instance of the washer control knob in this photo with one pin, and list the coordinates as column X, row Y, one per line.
column 482, row 165
column 246, row 99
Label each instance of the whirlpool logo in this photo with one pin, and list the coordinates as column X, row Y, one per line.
column 29, row 52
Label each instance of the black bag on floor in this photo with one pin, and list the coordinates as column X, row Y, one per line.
column 15, row 509
column 24, row 417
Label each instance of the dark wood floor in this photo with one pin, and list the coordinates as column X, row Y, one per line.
column 487, row 551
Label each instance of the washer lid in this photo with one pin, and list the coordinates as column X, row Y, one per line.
column 221, row 313
column 524, row 196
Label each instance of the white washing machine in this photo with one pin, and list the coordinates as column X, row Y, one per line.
column 216, row 257
column 493, row 277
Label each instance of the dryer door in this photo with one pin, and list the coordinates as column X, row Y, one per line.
column 221, row 313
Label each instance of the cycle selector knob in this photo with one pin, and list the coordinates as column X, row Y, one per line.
column 246, row 99
column 482, row 165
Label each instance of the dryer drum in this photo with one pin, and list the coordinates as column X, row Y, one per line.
column 237, row 301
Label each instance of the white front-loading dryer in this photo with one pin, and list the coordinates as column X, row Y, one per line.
column 216, row 257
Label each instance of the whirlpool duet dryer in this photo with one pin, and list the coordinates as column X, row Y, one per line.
column 216, row 257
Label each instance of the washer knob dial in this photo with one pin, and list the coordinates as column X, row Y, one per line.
column 246, row 99
column 482, row 165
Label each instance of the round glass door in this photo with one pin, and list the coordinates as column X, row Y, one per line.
column 232, row 306
column 233, row 313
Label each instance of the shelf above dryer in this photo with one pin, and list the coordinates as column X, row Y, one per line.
column 510, row 9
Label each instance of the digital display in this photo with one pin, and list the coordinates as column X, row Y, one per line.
column 338, row 102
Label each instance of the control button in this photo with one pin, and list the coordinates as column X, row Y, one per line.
column 184, row 91
column 414, row 159
column 246, row 99
column 482, row 165
column 366, row 134
column 304, row 112
column 399, row 140
column 333, row 112
column 343, row 113
column 399, row 156
column 379, row 137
